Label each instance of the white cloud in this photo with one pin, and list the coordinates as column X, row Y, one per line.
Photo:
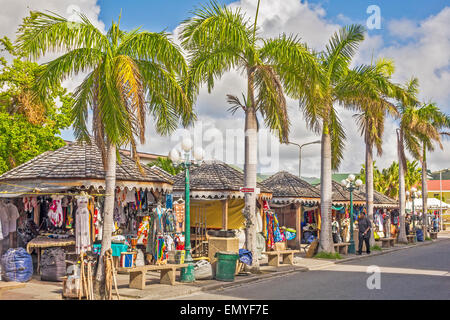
column 13, row 12
column 403, row 28
column 425, row 54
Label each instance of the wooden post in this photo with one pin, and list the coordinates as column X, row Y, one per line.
column 298, row 224
column 225, row 214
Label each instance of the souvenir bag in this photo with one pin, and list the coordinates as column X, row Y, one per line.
column 290, row 234
column 376, row 235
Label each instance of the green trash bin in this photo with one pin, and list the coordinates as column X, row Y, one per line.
column 226, row 265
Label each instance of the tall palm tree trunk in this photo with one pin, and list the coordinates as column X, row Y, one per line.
column 326, row 240
column 369, row 188
column 401, row 191
column 110, row 182
column 250, row 168
column 424, row 193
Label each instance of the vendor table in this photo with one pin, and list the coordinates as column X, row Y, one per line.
column 45, row 242
column 117, row 248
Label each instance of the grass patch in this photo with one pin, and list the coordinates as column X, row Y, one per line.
column 328, row 255
column 376, row 248
column 428, row 239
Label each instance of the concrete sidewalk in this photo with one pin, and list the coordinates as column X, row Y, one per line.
column 41, row 290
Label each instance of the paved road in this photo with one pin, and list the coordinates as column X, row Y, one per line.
column 416, row 273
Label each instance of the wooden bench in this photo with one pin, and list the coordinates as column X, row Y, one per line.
column 274, row 257
column 4, row 286
column 137, row 274
column 433, row 235
column 411, row 238
column 387, row 242
column 341, row 247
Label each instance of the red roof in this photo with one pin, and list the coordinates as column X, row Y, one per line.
column 435, row 185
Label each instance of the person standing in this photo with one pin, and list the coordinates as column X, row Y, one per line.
column 335, row 230
column 435, row 223
column 364, row 233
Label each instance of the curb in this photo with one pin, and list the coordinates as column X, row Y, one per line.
column 426, row 243
column 289, row 270
column 273, row 274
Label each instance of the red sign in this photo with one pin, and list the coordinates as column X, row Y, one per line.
column 249, row 190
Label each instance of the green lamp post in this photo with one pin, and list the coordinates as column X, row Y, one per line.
column 414, row 194
column 351, row 185
column 187, row 273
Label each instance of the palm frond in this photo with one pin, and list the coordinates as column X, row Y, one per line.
column 341, row 49
column 213, row 24
column 338, row 137
column 49, row 32
column 271, row 101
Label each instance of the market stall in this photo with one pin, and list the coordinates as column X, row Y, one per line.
column 59, row 196
column 340, row 210
column 293, row 200
column 216, row 202
column 385, row 213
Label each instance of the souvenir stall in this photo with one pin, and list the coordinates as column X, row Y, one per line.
column 216, row 202
column 295, row 207
column 60, row 199
column 384, row 213
column 340, row 212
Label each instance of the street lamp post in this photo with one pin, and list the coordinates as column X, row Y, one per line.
column 187, row 273
column 415, row 194
column 300, row 154
column 351, row 185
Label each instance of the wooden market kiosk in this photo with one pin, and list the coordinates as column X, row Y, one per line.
column 216, row 202
column 291, row 197
column 65, row 172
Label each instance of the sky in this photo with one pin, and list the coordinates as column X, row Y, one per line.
column 415, row 34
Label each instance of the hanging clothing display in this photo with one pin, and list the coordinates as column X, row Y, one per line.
column 13, row 215
column 143, row 229
column 169, row 201
column 82, row 236
column 178, row 209
column 55, row 213
column 4, row 221
column 273, row 232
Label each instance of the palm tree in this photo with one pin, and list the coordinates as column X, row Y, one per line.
column 219, row 39
column 431, row 114
column 351, row 88
column 412, row 126
column 371, row 123
column 130, row 74
column 166, row 164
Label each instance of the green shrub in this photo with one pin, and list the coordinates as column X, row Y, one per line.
column 375, row 248
column 328, row 255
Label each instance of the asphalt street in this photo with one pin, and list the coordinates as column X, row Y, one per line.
column 416, row 273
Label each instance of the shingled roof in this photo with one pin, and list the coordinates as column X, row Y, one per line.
column 340, row 194
column 82, row 162
column 379, row 199
column 287, row 187
column 214, row 179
